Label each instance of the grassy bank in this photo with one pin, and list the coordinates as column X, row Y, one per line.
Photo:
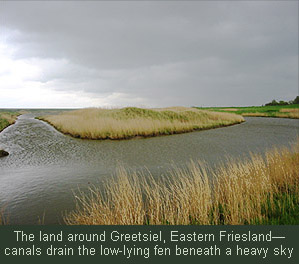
column 256, row 191
column 285, row 111
column 7, row 118
column 124, row 123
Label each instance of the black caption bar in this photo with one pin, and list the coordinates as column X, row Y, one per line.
column 150, row 244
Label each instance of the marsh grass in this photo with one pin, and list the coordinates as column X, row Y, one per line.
column 124, row 123
column 284, row 111
column 289, row 112
column 7, row 118
column 260, row 190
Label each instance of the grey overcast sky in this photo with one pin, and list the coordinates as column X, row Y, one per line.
column 149, row 54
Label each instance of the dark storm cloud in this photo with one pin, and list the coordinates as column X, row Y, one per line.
column 166, row 53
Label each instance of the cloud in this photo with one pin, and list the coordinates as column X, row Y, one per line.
column 155, row 53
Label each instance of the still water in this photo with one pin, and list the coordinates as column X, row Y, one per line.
column 44, row 167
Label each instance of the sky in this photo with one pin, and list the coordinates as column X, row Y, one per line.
column 70, row 54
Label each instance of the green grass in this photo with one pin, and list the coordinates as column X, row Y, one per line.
column 267, row 111
column 284, row 209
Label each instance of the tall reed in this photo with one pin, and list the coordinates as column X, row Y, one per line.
column 239, row 192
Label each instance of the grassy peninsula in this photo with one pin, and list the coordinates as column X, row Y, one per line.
column 283, row 111
column 257, row 191
column 129, row 122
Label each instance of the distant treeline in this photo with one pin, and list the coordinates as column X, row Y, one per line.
column 274, row 102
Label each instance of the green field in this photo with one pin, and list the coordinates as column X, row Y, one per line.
column 286, row 111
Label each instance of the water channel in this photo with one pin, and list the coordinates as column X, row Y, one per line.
column 44, row 167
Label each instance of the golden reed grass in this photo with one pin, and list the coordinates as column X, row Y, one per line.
column 229, row 109
column 232, row 194
column 289, row 112
column 97, row 123
column 11, row 118
column 284, row 113
column 7, row 118
column 255, row 114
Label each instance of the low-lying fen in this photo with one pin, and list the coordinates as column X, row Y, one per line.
column 124, row 123
column 260, row 190
column 284, row 111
